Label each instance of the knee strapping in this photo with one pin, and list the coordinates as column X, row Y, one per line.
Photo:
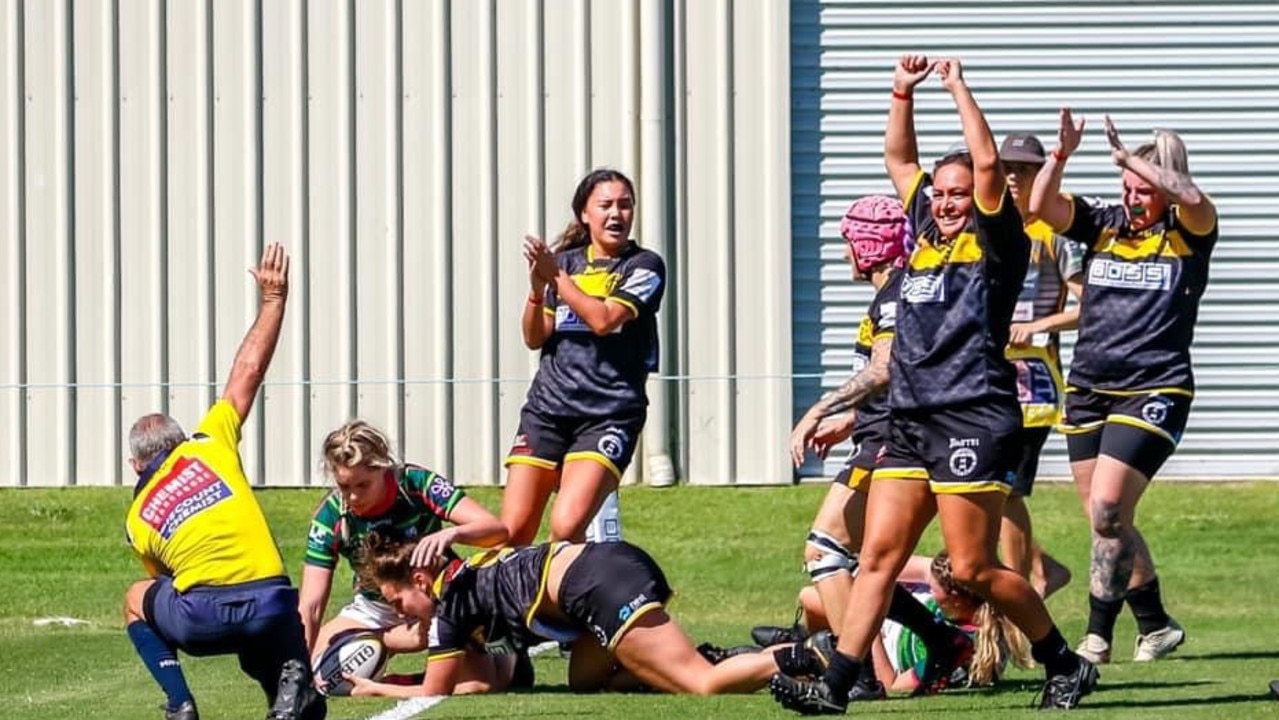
column 832, row 557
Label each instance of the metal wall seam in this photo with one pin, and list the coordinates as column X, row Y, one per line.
column 235, row 241
column 49, row 125
column 330, row 216
column 13, row 424
column 94, row 207
column 283, row 403
column 655, row 177
column 139, row 192
column 474, row 239
column 377, row 269
column 427, row 160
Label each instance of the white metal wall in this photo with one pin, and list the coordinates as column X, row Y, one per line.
column 401, row 149
column 1208, row 70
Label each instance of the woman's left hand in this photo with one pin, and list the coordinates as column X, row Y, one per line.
column 951, row 72
column 432, row 546
column 1118, row 153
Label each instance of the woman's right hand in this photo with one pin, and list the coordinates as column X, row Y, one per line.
column 1069, row 134
column 911, row 71
column 541, row 263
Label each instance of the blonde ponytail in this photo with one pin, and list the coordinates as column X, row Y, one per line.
column 356, row 444
column 998, row 641
column 1167, row 151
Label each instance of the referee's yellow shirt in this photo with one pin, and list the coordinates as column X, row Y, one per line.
column 196, row 517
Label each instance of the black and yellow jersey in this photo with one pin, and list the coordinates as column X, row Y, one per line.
column 1141, row 298
column 491, row 599
column 956, row 303
column 194, row 515
column 879, row 323
column 582, row 374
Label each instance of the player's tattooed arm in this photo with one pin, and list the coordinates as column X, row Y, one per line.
column 872, row 380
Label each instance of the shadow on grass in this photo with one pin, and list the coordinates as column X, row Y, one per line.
column 1090, row 703
column 1242, row 655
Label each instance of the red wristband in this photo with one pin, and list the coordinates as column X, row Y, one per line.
column 1059, row 156
column 902, row 96
column 535, row 300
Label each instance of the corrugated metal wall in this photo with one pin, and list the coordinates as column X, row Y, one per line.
column 400, row 149
column 1208, row 70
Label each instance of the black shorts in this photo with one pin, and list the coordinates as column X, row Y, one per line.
column 1139, row 429
column 258, row 621
column 609, row 586
column 957, row 450
column 868, row 444
column 546, row 441
column 1026, row 447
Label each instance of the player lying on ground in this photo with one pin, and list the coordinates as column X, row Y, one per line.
column 899, row 655
column 607, row 599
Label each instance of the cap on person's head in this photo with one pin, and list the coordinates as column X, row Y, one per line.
column 1022, row 147
column 959, row 147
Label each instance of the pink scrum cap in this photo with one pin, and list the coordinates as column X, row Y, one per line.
column 876, row 231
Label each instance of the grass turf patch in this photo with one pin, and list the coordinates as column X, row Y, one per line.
column 734, row 558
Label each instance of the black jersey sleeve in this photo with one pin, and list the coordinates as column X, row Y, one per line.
column 1001, row 229
column 1089, row 217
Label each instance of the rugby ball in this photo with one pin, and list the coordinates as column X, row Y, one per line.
column 356, row 652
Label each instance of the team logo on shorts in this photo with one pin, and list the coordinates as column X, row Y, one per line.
column 613, row 443
column 1155, row 411
column 963, row 458
column 629, row 608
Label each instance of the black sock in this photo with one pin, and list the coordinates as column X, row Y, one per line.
column 1102, row 616
column 841, row 675
column 906, row 609
column 867, row 674
column 1054, row 654
column 1148, row 607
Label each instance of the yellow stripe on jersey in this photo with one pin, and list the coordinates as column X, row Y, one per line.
column 625, row 303
column 197, row 515
column 600, row 458
column 1164, row 244
column 597, row 282
column 883, row 335
column 964, row 249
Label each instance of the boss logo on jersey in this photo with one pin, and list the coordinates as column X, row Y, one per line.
column 1130, row 276
column 1155, row 411
column 923, row 289
column 613, row 443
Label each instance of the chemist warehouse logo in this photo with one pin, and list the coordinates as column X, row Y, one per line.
column 187, row 490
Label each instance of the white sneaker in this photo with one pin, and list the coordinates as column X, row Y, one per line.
column 1094, row 649
column 1159, row 643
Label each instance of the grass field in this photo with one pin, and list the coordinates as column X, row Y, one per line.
column 733, row 555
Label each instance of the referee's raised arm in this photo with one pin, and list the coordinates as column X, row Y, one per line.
column 254, row 355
